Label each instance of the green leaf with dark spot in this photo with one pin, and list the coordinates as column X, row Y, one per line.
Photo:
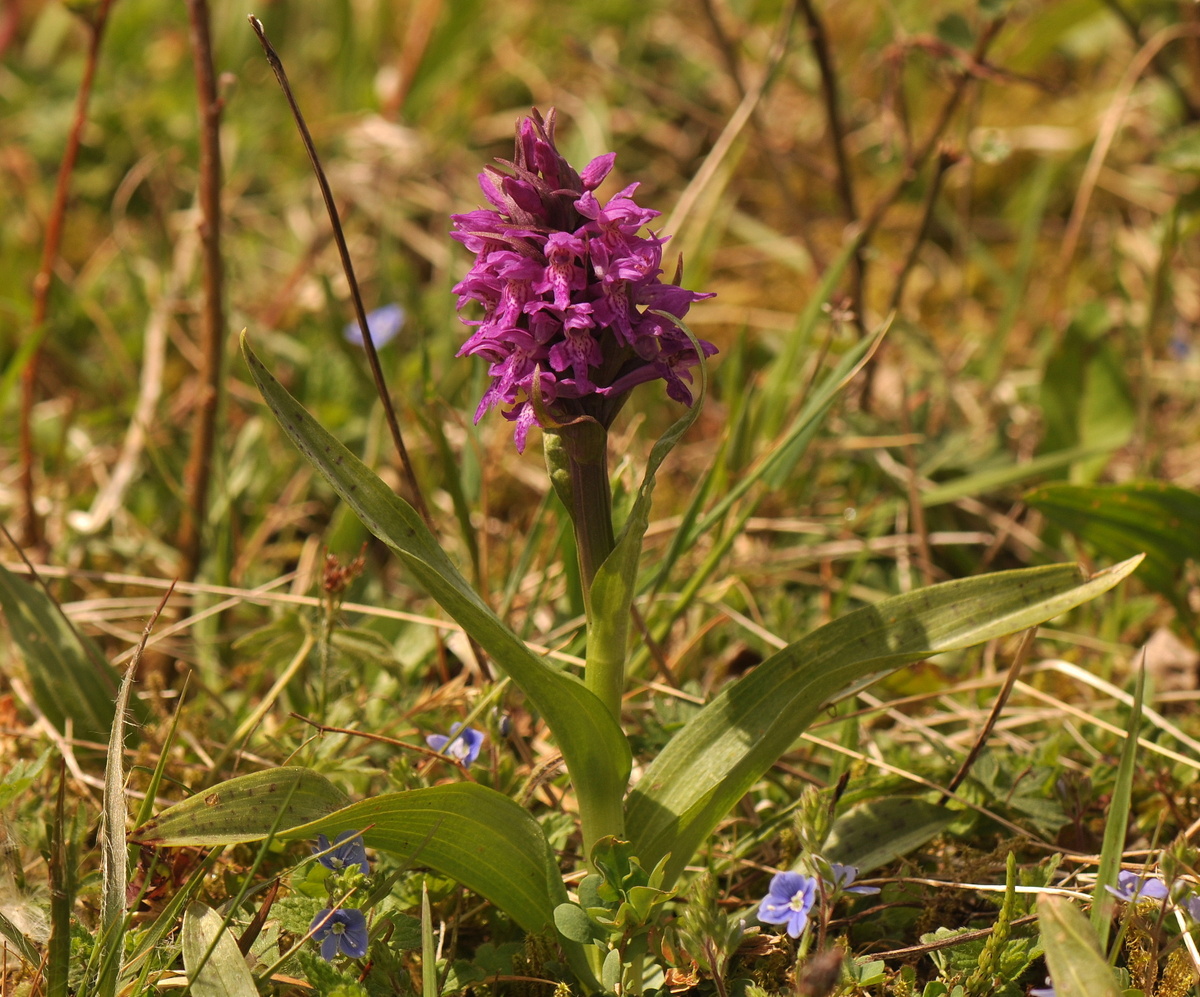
column 244, row 809
column 715, row 759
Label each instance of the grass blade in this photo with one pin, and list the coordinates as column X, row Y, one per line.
column 114, row 850
column 1118, row 820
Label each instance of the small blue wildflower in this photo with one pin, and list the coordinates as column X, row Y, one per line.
column 347, row 850
column 384, row 324
column 844, row 875
column 789, row 899
column 1046, row 991
column 1130, row 887
column 462, row 747
column 1191, row 904
column 341, row 931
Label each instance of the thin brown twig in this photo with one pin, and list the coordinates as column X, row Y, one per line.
column 389, row 411
column 917, row 159
column 1134, row 30
column 384, row 739
column 348, row 268
column 946, row 158
column 41, row 283
column 943, row 943
column 763, row 133
column 198, row 471
column 1010, row 680
column 844, row 178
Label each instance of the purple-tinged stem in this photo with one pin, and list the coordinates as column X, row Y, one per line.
column 212, row 331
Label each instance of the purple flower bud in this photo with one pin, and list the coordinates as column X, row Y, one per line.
column 566, row 285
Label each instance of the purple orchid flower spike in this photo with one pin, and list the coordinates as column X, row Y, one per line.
column 788, row 901
column 568, row 289
column 340, row 932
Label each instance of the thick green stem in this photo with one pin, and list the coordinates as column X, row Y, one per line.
column 591, row 512
column 577, row 457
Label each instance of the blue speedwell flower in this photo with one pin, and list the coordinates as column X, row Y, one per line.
column 1046, row 991
column 384, row 324
column 844, row 875
column 788, row 901
column 462, row 747
column 1132, row 887
column 347, row 850
column 342, row 931
column 1191, row 904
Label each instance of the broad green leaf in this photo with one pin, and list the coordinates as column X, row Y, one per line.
column 1085, row 394
column 244, row 808
column 596, row 751
column 471, row 833
column 715, row 759
column 1120, row 520
column 464, row 830
column 1077, row 966
column 224, row 972
column 877, row 832
column 68, row 675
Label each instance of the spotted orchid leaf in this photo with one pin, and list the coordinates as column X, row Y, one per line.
column 714, row 760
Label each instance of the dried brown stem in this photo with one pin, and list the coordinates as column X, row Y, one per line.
column 917, row 159
column 1161, row 66
column 348, row 267
column 762, row 131
column 945, row 160
column 830, row 93
column 41, row 283
column 198, row 471
column 1010, row 680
